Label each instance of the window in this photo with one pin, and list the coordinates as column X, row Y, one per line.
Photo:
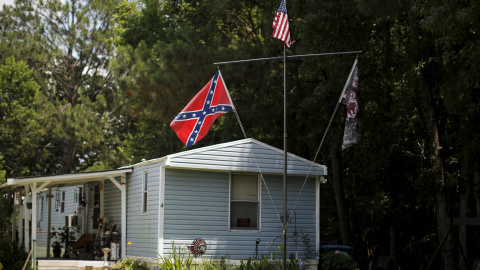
column 78, row 199
column 244, row 202
column 144, row 191
column 62, row 202
column 58, row 194
column 40, row 209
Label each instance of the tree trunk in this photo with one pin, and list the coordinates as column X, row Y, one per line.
column 443, row 218
column 393, row 248
column 476, row 183
column 462, row 230
column 339, row 196
column 69, row 152
column 428, row 113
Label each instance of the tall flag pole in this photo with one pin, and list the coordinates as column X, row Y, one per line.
column 285, row 135
column 281, row 30
column 194, row 121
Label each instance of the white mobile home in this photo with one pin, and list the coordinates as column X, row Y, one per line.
column 230, row 195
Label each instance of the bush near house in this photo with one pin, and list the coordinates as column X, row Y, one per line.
column 12, row 256
column 128, row 264
column 183, row 260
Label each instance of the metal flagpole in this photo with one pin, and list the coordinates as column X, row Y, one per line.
column 284, row 158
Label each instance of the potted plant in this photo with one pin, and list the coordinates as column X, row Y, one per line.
column 61, row 238
column 57, row 249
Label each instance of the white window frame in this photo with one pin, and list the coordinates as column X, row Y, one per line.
column 144, row 206
column 259, row 206
column 78, row 198
column 58, row 194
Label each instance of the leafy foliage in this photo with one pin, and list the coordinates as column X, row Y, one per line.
column 177, row 260
column 12, row 256
column 18, row 91
column 128, row 264
column 67, row 45
column 332, row 261
column 61, row 235
column 6, row 210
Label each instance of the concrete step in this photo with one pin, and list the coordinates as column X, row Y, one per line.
column 69, row 265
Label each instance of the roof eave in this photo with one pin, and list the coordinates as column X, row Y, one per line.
column 65, row 178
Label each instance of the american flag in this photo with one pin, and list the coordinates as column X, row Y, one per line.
column 281, row 30
column 194, row 121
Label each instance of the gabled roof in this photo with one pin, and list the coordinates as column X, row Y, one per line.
column 247, row 155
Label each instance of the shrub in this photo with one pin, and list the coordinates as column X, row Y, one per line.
column 338, row 260
column 12, row 256
column 128, row 264
column 265, row 264
column 178, row 260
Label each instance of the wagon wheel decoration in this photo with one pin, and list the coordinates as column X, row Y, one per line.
column 198, row 247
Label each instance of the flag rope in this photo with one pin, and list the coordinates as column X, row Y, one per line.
column 315, row 157
column 258, row 168
column 254, row 158
column 324, row 134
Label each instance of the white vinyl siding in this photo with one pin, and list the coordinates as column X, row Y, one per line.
column 142, row 228
column 197, row 206
column 196, row 202
column 57, row 218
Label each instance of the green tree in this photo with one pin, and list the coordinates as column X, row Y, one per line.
column 166, row 52
column 67, row 43
column 19, row 129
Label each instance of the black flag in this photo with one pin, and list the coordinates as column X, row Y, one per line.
column 351, row 135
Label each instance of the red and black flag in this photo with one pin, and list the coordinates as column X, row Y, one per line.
column 351, row 135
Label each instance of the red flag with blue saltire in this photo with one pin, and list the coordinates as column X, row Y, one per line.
column 194, row 121
column 281, row 28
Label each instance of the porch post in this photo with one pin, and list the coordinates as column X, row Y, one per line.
column 26, row 217
column 102, row 184
column 317, row 214
column 86, row 187
column 49, row 219
column 21, row 232
column 161, row 212
column 34, row 225
column 123, row 202
column 124, row 216
column 14, row 225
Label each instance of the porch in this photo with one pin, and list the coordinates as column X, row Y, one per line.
column 89, row 214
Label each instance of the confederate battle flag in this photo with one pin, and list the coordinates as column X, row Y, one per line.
column 194, row 121
column 351, row 135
